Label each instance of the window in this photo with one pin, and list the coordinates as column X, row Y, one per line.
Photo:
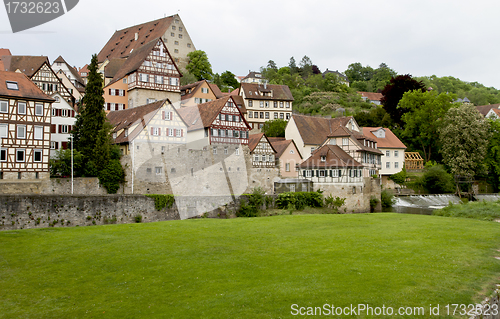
column 180, row 29
column 388, row 165
column 3, row 155
column 179, row 133
column 64, row 128
column 275, row 104
column 21, row 131
column 189, row 45
column 180, row 36
column 173, row 27
column 256, row 158
column 65, row 113
column 287, row 116
column 388, row 153
column 275, row 115
column 38, row 132
column 172, row 34
column 323, row 158
column 176, row 42
column 155, row 131
column 312, row 150
column 143, row 77
column 322, row 173
column 308, row 173
column 4, row 106
column 237, row 151
column 345, row 141
column 125, row 80
column 287, row 104
column 261, row 115
column 292, row 152
column 226, row 151
column 20, row 155
column 282, row 115
column 236, row 133
column 267, row 104
column 396, row 154
column 174, row 81
column 261, row 103
column 37, row 156
column 250, row 104
column 21, row 108
column 204, row 90
column 158, row 79
column 3, row 130
column 12, row 85
column 158, row 170
column 287, row 167
column 176, row 50
column 267, row 115
column 214, row 150
column 396, row 164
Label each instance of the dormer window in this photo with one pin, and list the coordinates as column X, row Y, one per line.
column 323, row 158
column 12, row 85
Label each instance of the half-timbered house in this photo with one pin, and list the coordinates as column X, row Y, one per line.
column 24, row 128
column 149, row 74
column 38, row 70
column 261, row 150
column 198, row 93
column 76, row 84
column 216, row 122
column 62, row 121
column 288, row 156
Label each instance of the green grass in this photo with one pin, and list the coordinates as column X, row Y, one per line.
column 477, row 210
column 245, row 267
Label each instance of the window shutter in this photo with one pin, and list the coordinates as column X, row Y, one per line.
column 59, row 129
column 171, row 115
column 72, row 113
column 304, row 173
column 317, row 173
column 110, row 92
column 312, row 173
column 70, row 128
column 182, row 133
column 57, row 145
column 340, row 173
column 331, row 173
column 175, row 132
column 151, row 130
column 159, row 131
column 163, row 115
column 64, row 145
column 52, row 128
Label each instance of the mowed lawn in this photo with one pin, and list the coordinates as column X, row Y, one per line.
column 246, row 267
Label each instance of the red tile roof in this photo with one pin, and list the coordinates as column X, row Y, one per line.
column 280, row 144
column 29, row 65
column 73, row 71
column 123, row 41
column 390, row 140
column 27, row 89
column 335, row 157
column 371, row 96
column 279, row 92
column 254, row 139
column 484, row 109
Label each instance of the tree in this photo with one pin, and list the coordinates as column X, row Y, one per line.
column 293, row 66
column 92, row 116
column 188, row 78
column 272, row 65
column 381, row 77
column 274, row 128
column 199, row 65
column 393, row 92
column 315, row 69
column 376, row 117
column 229, row 79
column 422, row 120
column 464, row 136
column 493, row 154
column 306, row 67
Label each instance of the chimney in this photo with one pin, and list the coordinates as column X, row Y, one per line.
column 136, row 36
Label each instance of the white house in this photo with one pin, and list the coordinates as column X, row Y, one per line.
column 61, row 124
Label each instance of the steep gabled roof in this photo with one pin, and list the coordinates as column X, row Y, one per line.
column 73, row 71
column 371, row 96
column 26, row 88
column 314, row 130
column 125, row 119
column 28, row 65
column 390, row 140
column 123, row 41
column 254, row 139
column 203, row 115
column 113, row 67
column 280, row 144
column 194, row 86
column 340, row 131
column 218, row 94
column 335, row 157
column 279, row 92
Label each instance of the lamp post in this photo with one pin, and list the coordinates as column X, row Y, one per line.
column 71, row 137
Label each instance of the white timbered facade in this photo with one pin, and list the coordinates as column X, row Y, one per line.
column 24, row 128
column 47, row 80
column 229, row 127
column 63, row 118
column 262, row 152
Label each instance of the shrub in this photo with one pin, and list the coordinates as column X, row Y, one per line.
column 373, row 203
column 436, row 180
column 246, row 210
column 255, row 202
column 162, row 201
column 399, row 178
column 111, row 176
column 299, row 200
column 138, row 218
column 386, row 198
column 334, row 203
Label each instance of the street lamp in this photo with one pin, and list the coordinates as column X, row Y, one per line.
column 71, row 137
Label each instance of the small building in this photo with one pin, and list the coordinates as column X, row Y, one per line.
column 342, row 77
column 253, row 77
column 265, row 102
column 413, row 161
column 70, row 77
column 62, row 121
column 371, row 97
column 485, row 109
column 24, row 128
column 493, row 114
column 293, row 185
column 288, row 156
column 261, row 150
column 198, row 93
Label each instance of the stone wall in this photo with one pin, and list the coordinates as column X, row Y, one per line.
column 40, row 211
column 53, row 186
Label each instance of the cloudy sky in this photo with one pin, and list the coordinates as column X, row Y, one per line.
column 446, row 38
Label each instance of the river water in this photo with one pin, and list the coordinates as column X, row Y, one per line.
column 425, row 204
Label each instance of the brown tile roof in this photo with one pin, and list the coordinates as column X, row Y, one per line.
column 484, row 109
column 218, row 94
column 85, row 69
column 239, row 101
column 371, row 96
column 29, row 65
column 5, row 52
column 254, row 139
column 122, row 41
column 27, row 89
column 280, row 92
column 113, row 67
column 390, row 140
column 141, row 115
column 193, row 86
column 340, row 131
column 315, row 130
column 203, row 115
column 335, row 157
column 280, row 144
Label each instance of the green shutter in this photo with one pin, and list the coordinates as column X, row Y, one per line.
column 304, row 173
column 312, row 173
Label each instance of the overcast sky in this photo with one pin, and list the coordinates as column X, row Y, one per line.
column 446, row 38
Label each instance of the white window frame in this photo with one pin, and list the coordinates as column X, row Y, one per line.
column 64, row 129
column 396, row 154
column 170, row 132
column 38, row 132
column 396, row 165
column 158, row 170
column 21, row 128
column 388, row 153
column 179, row 133
column 4, row 106
column 39, row 109
column 287, row 167
column 308, row 173
column 4, row 130
column 19, row 151
column 388, row 165
column 19, row 108
column 345, row 141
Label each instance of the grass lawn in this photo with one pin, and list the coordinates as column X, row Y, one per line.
column 246, row 267
column 477, row 210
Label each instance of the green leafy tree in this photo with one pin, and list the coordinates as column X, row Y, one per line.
column 188, row 78
column 306, row 67
column 60, row 165
column 393, row 92
column 381, row 77
column 199, row 65
column 272, row 65
column 376, row 117
column 422, row 120
column 436, row 180
column 229, row 79
column 112, row 175
column 274, row 128
column 358, row 72
column 493, row 154
column 293, row 66
column 464, row 136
